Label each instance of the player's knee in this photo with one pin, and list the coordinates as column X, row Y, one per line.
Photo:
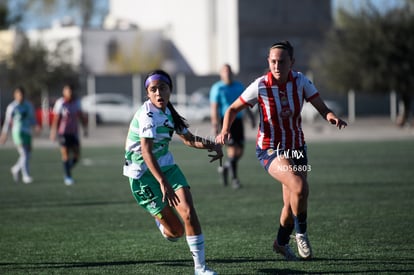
column 188, row 216
column 299, row 186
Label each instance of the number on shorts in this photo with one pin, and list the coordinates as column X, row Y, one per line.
column 145, row 194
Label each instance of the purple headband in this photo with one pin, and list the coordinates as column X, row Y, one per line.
column 157, row 77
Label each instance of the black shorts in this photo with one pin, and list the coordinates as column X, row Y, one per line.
column 68, row 140
column 237, row 133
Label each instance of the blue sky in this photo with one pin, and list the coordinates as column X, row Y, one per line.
column 36, row 20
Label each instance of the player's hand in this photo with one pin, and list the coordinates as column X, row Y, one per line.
column 168, row 194
column 219, row 153
column 223, row 137
column 336, row 121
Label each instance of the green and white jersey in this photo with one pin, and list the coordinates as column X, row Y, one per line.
column 20, row 116
column 149, row 122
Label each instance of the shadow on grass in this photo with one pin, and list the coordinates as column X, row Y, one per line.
column 331, row 266
column 51, row 265
column 66, row 204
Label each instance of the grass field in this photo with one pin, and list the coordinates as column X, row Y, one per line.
column 360, row 215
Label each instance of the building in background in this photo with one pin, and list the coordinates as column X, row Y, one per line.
column 204, row 32
column 209, row 33
column 185, row 36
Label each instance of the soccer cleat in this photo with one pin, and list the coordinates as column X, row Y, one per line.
column 69, row 181
column 27, row 179
column 223, row 171
column 285, row 250
column 304, row 247
column 15, row 174
column 236, row 184
column 204, row 270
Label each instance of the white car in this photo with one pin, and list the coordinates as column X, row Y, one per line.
column 109, row 107
column 197, row 107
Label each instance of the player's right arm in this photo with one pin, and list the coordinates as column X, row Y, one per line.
column 229, row 117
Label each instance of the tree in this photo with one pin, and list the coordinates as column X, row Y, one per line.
column 86, row 8
column 34, row 68
column 372, row 51
column 6, row 20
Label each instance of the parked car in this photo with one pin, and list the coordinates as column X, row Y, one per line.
column 109, row 107
column 197, row 106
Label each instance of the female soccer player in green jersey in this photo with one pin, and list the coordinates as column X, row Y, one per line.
column 157, row 183
column 20, row 116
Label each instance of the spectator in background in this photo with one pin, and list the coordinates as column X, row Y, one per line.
column 20, row 116
column 222, row 95
column 67, row 113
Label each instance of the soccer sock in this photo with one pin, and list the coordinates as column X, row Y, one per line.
column 73, row 162
column 25, row 163
column 233, row 167
column 160, row 227
column 300, row 223
column 66, row 168
column 283, row 235
column 21, row 160
column 196, row 245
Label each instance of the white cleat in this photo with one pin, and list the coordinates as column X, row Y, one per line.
column 27, row 179
column 304, row 247
column 15, row 174
column 69, row 181
column 205, row 271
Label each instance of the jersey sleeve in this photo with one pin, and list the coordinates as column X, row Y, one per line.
column 309, row 89
column 146, row 125
column 214, row 94
column 57, row 108
column 250, row 94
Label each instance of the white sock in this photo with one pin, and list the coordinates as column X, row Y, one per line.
column 160, row 227
column 196, row 245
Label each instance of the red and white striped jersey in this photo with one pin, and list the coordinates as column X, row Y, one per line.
column 279, row 109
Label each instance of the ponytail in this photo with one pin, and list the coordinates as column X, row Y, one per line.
column 179, row 122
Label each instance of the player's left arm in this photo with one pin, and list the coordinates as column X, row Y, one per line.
column 326, row 113
column 202, row 143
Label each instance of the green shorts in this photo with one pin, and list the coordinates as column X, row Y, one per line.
column 147, row 192
column 20, row 138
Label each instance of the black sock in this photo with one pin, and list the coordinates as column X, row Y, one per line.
column 283, row 235
column 73, row 162
column 300, row 223
column 233, row 167
column 66, row 168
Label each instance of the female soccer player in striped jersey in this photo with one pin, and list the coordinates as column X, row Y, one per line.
column 157, row 183
column 280, row 145
column 67, row 113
